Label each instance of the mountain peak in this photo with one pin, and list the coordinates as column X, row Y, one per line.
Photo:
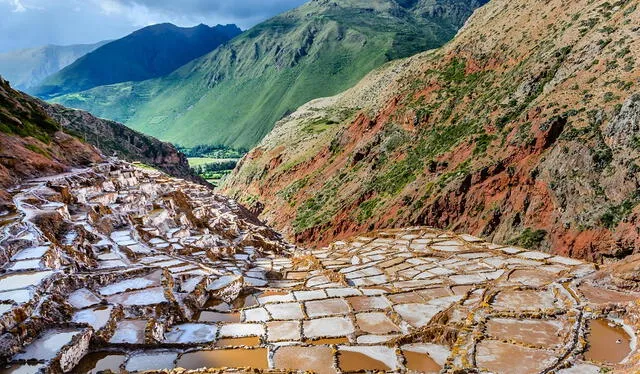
column 150, row 52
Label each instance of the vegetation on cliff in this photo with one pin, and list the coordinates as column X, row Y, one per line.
column 523, row 129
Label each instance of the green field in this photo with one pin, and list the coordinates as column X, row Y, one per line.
column 201, row 161
column 214, row 170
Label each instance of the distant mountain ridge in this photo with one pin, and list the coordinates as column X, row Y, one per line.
column 27, row 68
column 148, row 53
column 234, row 95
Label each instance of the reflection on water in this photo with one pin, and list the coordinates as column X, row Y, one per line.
column 99, row 362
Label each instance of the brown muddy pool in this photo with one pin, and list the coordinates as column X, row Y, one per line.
column 608, row 342
column 98, row 362
column 255, row 358
column 349, row 361
column 327, row 341
column 251, row 341
column 420, row 362
column 208, row 316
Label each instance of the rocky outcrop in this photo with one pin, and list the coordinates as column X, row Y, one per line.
column 115, row 139
column 32, row 144
column 521, row 130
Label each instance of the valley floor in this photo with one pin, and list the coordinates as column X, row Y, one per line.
column 125, row 269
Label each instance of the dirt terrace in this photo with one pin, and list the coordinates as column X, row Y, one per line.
column 125, row 269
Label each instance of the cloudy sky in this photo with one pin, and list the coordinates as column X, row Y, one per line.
column 31, row 23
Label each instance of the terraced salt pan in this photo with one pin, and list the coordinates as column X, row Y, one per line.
column 237, row 330
column 25, row 265
column 505, row 358
column 82, row 298
column 418, row 315
column 30, row 253
column 256, row 315
column 96, row 318
column 254, row 358
column 149, row 296
column 128, row 284
column 285, row 311
column 546, row 333
column 152, row 360
column 386, row 273
column 22, row 280
column 48, row 345
column 581, row 369
column 375, row 339
column 5, row 308
column 376, row 323
column 363, row 303
column 328, row 327
column 99, row 362
column 439, row 353
column 310, row 295
column 524, row 300
column 355, row 358
column 317, row 359
column 283, row 331
column 24, row 369
column 19, row 296
column 222, row 282
column 129, row 331
column 322, row 308
column 275, row 297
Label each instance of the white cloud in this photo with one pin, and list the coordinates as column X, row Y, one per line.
column 18, row 7
column 34, row 23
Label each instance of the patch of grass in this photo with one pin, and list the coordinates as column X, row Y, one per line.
column 434, row 142
column 36, row 149
column 617, row 213
column 367, row 208
column 291, row 190
column 318, row 126
column 318, row 210
column 529, row 238
column 482, row 142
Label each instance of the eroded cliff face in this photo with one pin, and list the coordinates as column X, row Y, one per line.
column 523, row 130
column 32, row 144
column 115, row 139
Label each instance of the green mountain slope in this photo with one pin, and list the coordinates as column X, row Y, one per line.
column 235, row 94
column 27, row 68
column 150, row 52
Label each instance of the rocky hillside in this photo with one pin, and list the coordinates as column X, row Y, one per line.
column 522, row 130
column 115, row 139
column 151, row 52
column 32, row 144
column 41, row 139
column 235, row 94
column 27, row 68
